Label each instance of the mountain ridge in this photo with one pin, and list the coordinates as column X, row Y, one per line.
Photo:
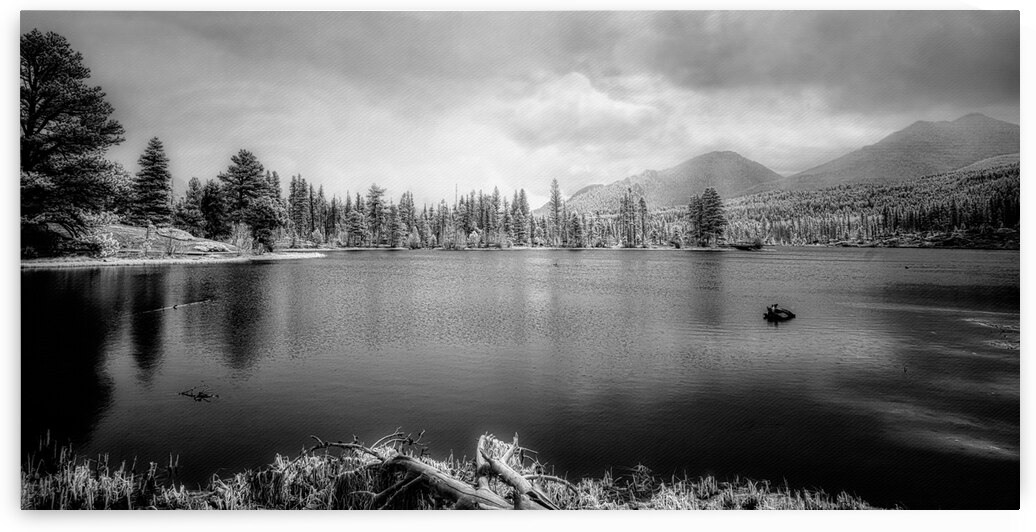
column 730, row 173
column 922, row 148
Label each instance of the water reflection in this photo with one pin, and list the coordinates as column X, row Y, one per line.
column 66, row 318
column 246, row 313
column 149, row 293
column 712, row 296
column 609, row 358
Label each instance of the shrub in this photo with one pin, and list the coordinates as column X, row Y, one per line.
column 102, row 244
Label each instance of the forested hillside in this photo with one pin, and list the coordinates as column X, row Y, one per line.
column 923, row 148
column 969, row 203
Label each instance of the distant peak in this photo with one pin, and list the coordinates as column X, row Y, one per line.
column 723, row 153
column 919, row 124
column 978, row 118
column 972, row 116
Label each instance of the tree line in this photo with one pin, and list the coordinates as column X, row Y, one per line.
column 975, row 201
column 68, row 189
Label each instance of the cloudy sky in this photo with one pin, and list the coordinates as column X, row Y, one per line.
column 425, row 101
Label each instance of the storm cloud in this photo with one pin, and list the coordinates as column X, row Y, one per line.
column 427, row 101
column 867, row 60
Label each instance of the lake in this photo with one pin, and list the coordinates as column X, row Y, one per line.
column 898, row 381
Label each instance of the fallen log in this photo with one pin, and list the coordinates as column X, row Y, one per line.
column 395, row 453
column 527, row 496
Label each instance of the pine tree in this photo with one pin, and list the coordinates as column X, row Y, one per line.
column 521, row 228
column 507, row 222
column 188, row 215
column 713, row 219
column 331, row 225
column 264, row 216
column 577, row 232
column 65, row 127
column 523, row 203
column 554, row 207
column 298, row 207
column 273, row 183
column 244, row 182
column 696, row 218
column 312, row 212
column 396, row 230
column 643, row 221
column 214, row 211
column 425, row 230
column 357, row 228
column 320, row 214
column 153, row 186
column 376, row 212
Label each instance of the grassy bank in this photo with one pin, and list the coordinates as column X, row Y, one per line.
column 55, row 478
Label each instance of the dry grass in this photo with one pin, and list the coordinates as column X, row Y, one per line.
column 55, row 478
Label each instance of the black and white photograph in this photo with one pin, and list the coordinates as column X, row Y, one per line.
column 518, row 260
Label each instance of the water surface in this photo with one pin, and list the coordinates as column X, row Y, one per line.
column 898, row 381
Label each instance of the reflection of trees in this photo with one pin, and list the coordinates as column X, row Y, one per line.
column 247, row 325
column 66, row 318
column 149, row 292
column 518, row 303
column 710, row 307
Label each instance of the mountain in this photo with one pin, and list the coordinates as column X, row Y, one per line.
column 729, row 173
column 584, row 190
column 923, row 148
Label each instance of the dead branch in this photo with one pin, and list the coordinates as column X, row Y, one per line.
column 553, row 478
column 395, row 452
column 321, row 444
column 396, row 434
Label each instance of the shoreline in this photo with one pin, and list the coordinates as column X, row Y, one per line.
column 313, row 253
column 352, row 476
column 89, row 262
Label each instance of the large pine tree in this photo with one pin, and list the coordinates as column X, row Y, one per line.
column 66, row 127
column 153, row 186
column 376, row 212
column 244, row 182
column 554, row 207
column 706, row 216
column 713, row 219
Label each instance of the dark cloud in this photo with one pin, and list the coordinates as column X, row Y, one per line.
column 506, row 98
column 876, row 61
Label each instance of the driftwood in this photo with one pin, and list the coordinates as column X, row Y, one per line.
column 395, row 453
